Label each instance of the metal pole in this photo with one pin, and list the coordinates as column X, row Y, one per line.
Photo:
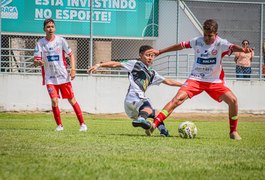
column 261, row 40
column 153, row 20
column 0, row 36
column 177, row 39
column 91, row 33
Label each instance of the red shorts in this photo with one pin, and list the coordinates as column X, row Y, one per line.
column 66, row 90
column 215, row 90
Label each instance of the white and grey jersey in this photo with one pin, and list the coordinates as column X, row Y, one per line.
column 140, row 77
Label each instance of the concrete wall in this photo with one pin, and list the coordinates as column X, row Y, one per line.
column 106, row 95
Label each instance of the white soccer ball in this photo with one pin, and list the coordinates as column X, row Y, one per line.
column 187, row 130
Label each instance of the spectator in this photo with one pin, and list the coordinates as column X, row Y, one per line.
column 243, row 62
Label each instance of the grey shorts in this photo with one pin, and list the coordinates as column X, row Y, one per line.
column 132, row 105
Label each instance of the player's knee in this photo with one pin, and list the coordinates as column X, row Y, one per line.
column 54, row 102
column 177, row 101
column 233, row 100
column 144, row 114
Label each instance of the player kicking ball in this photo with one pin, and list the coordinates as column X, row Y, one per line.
column 207, row 74
column 141, row 75
column 50, row 55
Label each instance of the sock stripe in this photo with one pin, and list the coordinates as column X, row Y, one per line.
column 165, row 112
column 234, row 117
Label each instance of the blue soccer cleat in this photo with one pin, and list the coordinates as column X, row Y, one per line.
column 163, row 131
column 141, row 123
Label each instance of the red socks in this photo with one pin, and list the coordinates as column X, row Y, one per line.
column 233, row 123
column 161, row 117
column 78, row 113
column 56, row 114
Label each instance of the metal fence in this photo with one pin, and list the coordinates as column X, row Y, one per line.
column 237, row 21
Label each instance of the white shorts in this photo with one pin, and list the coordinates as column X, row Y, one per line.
column 132, row 105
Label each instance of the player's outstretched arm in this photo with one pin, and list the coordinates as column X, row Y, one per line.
column 236, row 48
column 172, row 82
column 175, row 47
column 110, row 64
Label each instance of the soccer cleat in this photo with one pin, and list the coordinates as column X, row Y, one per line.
column 149, row 132
column 163, row 131
column 234, row 135
column 83, row 127
column 59, row 128
column 141, row 123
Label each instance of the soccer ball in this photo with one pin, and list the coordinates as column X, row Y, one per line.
column 187, row 130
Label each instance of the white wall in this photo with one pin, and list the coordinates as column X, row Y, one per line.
column 168, row 26
column 106, row 95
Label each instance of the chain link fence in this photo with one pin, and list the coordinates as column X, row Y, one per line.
column 237, row 21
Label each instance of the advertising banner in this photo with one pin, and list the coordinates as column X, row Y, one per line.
column 111, row 18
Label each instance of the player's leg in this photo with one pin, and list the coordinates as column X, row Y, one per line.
column 161, row 127
column 179, row 98
column 145, row 110
column 188, row 90
column 79, row 114
column 67, row 93
column 132, row 105
column 53, row 91
column 230, row 99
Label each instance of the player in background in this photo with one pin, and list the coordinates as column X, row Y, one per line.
column 50, row 55
column 141, row 75
column 207, row 73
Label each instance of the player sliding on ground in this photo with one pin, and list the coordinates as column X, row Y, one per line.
column 141, row 75
column 50, row 55
column 207, row 74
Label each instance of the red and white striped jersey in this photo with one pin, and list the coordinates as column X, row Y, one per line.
column 207, row 66
column 53, row 54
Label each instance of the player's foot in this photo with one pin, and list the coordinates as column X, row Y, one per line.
column 83, row 127
column 141, row 123
column 59, row 128
column 234, row 135
column 163, row 131
column 149, row 132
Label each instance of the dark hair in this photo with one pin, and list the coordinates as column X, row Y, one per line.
column 210, row 25
column 245, row 41
column 144, row 48
column 48, row 21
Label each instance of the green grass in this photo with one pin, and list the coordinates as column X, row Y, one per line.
column 113, row 149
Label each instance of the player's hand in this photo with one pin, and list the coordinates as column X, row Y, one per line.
column 248, row 50
column 39, row 62
column 155, row 51
column 72, row 74
column 93, row 68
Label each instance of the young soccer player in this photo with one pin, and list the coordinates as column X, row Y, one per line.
column 50, row 55
column 207, row 73
column 141, row 75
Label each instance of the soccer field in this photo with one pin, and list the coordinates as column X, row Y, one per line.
column 113, row 149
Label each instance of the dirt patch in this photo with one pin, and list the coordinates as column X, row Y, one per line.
column 192, row 116
column 175, row 116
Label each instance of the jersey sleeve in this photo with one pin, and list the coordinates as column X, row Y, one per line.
column 128, row 65
column 37, row 51
column 66, row 48
column 190, row 44
column 225, row 45
column 158, row 79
